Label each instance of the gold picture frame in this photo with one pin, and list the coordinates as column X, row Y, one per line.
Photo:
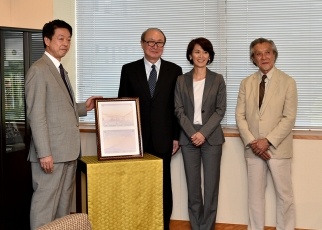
column 118, row 128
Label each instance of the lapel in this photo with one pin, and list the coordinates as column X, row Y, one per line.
column 189, row 83
column 210, row 77
column 270, row 92
column 255, row 88
column 141, row 77
column 57, row 76
column 163, row 78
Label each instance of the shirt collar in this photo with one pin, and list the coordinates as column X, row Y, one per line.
column 54, row 60
column 149, row 64
column 269, row 74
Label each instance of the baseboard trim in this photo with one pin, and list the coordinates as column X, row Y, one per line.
column 185, row 225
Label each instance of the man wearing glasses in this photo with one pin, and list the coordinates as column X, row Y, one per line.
column 153, row 80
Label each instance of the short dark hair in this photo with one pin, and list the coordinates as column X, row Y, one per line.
column 259, row 41
column 49, row 29
column 149, row 29
column 205, row 45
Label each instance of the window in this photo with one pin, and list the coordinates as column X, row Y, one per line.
column 108, row 36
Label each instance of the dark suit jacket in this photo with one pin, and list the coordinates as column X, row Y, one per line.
column 158, row 122
column 213, row 107
column 52, row 115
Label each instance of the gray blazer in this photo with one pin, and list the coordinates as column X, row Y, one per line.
column 53, row 117
column 276, row 117
column 213, row 107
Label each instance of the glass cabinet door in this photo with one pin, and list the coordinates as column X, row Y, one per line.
column 15, row 64
column 14, row 108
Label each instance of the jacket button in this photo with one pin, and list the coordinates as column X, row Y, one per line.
column 202, row 111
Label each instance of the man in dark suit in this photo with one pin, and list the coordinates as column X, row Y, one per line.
column 53, row 115
column 160, row 130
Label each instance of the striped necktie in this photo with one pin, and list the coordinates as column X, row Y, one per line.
column 262, row 90
column 62, row 73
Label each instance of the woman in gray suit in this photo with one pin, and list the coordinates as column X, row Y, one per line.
column 200, row 105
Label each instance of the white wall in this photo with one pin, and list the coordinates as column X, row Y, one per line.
column 65, row 10
column 307, row 183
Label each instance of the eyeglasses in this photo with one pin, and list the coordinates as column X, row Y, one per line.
column 153, row 43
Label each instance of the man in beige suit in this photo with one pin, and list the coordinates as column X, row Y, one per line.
column 265, row 119
column 53, row 115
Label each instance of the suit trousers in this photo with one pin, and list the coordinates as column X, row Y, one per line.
column 53, row 192
column 167, row 186
column 202, row 211
column 280, row 170
column 167, row 193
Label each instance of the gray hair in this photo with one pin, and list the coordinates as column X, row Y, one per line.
column 259, row 41
column 144, row 33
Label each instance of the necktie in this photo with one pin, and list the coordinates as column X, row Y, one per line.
column 62, row 73
column 152, row 80
column 262, row 90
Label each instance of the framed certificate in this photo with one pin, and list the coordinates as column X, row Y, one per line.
column 118, row 128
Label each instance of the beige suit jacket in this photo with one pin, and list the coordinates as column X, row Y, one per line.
column 53, row 117
column 275, row 120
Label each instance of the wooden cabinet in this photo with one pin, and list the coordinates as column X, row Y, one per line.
column 19, row 48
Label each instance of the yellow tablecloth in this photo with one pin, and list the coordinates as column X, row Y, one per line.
column 124, row 194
